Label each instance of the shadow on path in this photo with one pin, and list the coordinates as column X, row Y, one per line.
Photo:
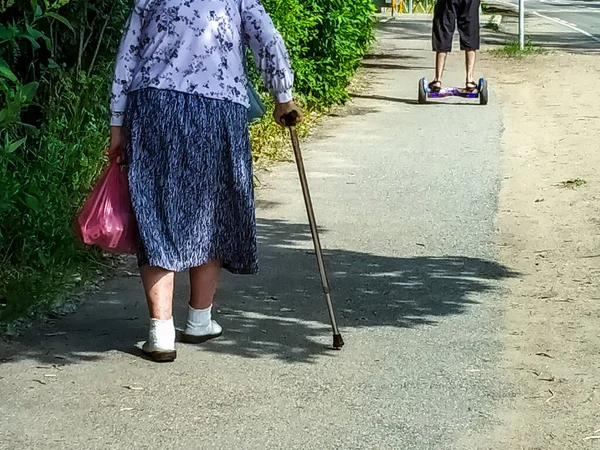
column 281, row 312
column 408, row 101
column 386, row 66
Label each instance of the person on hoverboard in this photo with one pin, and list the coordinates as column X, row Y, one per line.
column 447, row 14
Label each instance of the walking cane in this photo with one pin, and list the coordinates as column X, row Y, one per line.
column 290, row 120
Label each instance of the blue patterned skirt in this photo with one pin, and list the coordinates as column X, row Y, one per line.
column 190, row 176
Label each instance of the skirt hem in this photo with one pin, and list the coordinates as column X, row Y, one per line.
column 235, row 270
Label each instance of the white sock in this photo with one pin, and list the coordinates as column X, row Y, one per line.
column 162, row 334
column 198, row 321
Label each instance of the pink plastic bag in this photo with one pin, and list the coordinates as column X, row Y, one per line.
column 107, row 218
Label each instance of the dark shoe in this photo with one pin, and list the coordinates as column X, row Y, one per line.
column 471, row 86
column 159, row 355
column 435, row 86
column 214, row 330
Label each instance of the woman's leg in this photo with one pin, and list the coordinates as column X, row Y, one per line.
column 203, row 282
column 159, row 283
column 200, row 327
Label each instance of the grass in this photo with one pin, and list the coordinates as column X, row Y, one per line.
column 492, row 26
column 55, row 291
column 271, row 143
column 513, row 50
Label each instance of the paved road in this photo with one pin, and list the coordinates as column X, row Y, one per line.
column 580, row 17
column 583, row 14
column 406, row 198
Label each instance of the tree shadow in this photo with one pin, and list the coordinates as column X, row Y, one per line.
column 458, row 101
column 279, row 313
column 408, row 26
column 386, row 66
column 504, row 10
column 379, row 56
column 350, row 110
column 408, row 101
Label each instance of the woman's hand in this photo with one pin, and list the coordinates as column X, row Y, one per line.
column 281, row 109
column 116, row 150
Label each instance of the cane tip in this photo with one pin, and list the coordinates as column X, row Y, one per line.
column 338, row 342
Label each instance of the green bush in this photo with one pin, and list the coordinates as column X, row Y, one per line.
column 326, row 40
column 56, row 61
column 54, row 72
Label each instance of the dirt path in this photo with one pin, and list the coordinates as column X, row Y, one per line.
column 548, row 227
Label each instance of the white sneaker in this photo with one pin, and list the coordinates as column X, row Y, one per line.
column 200, row 327
column 160, row 345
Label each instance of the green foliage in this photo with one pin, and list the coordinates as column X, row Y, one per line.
column 54, row 76
column 56, row 61
column 326, row 40
column 513, row 49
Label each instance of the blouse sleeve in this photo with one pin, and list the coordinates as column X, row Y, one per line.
column 268, row 47
column 126, row 64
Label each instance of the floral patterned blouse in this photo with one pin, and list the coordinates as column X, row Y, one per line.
column 197, row 47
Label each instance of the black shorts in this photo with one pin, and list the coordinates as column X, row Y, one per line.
column 446, row 15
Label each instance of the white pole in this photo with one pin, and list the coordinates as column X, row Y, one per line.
column 410, row 6
column 522, row 24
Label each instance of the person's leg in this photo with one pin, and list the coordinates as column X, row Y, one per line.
column 146, row 139
column 203, row 282
column 468, row 28
column 158, row 284
column 444, row 19
column 470, row 66
column 200, row 327
column 440, row 64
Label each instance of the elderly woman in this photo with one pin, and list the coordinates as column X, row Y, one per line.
column 180, row 118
